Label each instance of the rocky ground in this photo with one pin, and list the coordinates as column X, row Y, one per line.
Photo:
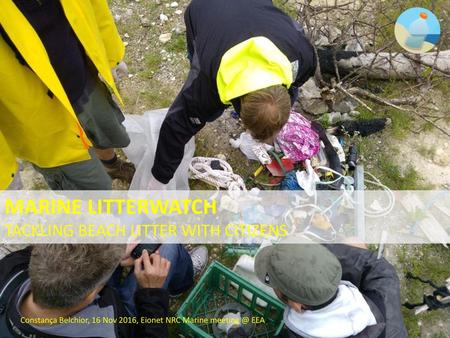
column 407, row 155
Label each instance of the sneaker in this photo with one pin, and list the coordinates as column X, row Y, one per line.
column 120, row 169
column 199, row 256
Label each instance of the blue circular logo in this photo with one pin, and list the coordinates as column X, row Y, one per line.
column 417, row 30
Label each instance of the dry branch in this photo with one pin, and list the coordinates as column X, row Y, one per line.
column 395, row 65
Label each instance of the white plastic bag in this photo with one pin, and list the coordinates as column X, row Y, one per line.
column 144, row 133
column 247, row 144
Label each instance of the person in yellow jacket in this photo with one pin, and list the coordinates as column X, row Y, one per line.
column 56, row 87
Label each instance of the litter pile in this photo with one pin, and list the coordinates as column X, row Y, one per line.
column 307, row 158
column 304, row 156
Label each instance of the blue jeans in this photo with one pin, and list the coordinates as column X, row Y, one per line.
column 179, row 279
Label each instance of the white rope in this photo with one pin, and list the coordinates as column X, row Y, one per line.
column 200, row 169
column 349, row 189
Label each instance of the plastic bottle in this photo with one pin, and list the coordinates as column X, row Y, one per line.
column 418, row 31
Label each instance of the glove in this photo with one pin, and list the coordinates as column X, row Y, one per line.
column 230, row 320
column 154, row 184
column 121, row 70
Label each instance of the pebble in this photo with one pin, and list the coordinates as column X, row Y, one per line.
column 354, row 113
column 345, row 106
column 346, row 117
column 179, row 29
column 221, row 157
column 441, row 158
column 174, row 4
column 163, row 17
column 163, row 38
column 178, row 12
column 334, row 117
column 145, row 22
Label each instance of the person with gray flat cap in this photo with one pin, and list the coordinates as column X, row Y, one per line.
column 331, row 291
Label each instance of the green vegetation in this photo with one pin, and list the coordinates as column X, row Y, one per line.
column 286, row 6
column 177, row 44
column 396, row 178
column 157, row 95
column 383, row 164
column 153, row 61
column 401, row 122
column 427, row 262
column 152, row 87
column 427, row 152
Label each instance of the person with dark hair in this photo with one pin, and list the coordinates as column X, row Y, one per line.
column 246, row 53
column 332, row 290
column 58, row 60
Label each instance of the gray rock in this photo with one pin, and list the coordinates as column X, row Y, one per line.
column 128, row 12
column 345, row 106
column 179, row 29
column 310, row 91
column 310, row 99
column 163, row 38
column 355, row 46
column 145, row 22
column 346, row 117
column 334, row 117
column 441, row 157
column 354, row 113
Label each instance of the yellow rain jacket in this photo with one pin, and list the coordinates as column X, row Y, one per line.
column 34, row 126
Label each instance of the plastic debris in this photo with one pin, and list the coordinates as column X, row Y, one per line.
column 144, row 133
column 307, row 179
column 251, row 148
column 297, row 139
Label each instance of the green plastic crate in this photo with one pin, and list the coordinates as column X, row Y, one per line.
column 215, row 289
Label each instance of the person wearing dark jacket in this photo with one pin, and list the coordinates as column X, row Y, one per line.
column 60, row 290
column 246, row 53
column 331, row 290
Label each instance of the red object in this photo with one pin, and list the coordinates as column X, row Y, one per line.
column 276, row 170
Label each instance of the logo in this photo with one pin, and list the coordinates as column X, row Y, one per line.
column 417, row 30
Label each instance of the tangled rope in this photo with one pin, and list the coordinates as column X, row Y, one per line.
column 201, row 168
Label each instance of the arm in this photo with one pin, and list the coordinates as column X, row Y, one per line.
column 377, row 280
column 115, row 49
column 197, row 103
column 152, row 303
column 151, row 300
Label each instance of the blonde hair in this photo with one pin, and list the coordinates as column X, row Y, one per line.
column 264, row 112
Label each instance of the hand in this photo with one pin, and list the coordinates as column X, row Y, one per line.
column 230, row 320
column 154, row 184
column 121, row 70
column 151, row 271
column 127, row 260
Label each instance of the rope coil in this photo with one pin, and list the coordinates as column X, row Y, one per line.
column 200, row 169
